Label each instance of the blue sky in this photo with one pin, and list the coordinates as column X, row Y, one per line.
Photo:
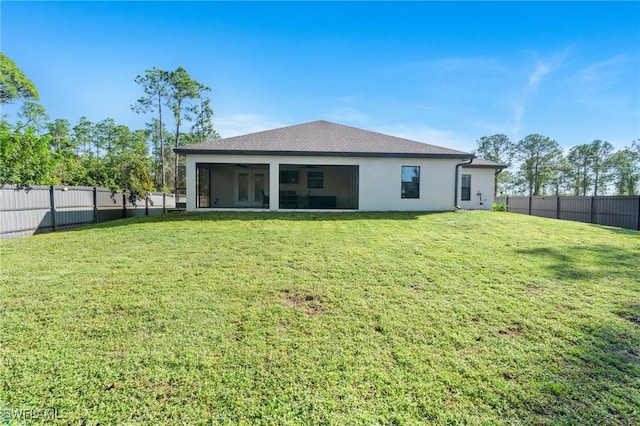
column 443, row 73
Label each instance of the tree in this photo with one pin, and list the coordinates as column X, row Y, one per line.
column 175, row 90
column 155, row 134
column 202, row 129
column 155, row 84
column 559, row 177
column 536, row 153
column 83, row 135
column 496, row 148
column 507, row 183
column 182, row 88
column 68, row 167
column 25, row 158
column 127, row 161
column 624, row 169
column 33, row 115
column 105, row 135
column 14, row 84
column 589, row 165
column 600, row 153
column 580, row 160
column 60, row 132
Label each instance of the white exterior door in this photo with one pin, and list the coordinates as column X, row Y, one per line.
column 249, row 185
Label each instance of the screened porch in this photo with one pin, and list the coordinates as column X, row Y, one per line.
column 299, row 187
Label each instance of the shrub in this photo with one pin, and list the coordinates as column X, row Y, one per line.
column 501, row 207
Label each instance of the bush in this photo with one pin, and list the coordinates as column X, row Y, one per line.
column 502, row 207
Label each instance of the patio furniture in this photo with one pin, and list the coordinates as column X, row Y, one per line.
column 288, row 200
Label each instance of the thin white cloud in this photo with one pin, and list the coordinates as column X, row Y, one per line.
column 519, row 101
column 540, row 71
column 602, row 71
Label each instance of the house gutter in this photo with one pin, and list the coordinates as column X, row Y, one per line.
column 455, row 189
column 495, row 181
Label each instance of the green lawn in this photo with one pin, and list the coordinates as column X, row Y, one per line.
column 390, row 318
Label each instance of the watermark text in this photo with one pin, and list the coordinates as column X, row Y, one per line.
column 30, row 414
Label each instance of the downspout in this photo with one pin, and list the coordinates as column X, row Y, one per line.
column 495, row 182
column 455, row 189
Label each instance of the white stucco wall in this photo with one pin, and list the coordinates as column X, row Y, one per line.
column 379, row 179
column 482, row 180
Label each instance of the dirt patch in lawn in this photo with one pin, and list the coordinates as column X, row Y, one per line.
column 630, row 312
column 308, row 303
column 511, row 331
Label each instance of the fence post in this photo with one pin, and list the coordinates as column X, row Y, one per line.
column 95, row 205
column 591, row 210
column 557, row 207
column 124, row 205
column 530, row 202
column 52, row 200
column 638, row 217
column 164, row 202
column 146, row 204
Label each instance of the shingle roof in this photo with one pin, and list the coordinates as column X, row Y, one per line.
column 487, row 164
column 324, row 139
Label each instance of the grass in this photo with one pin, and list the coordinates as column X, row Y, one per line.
column 390, row 318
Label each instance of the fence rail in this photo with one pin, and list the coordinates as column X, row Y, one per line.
column 38, row 209
column 621, row 212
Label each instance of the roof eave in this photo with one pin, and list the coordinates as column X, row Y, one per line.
column 187, row 151
column 485, row 166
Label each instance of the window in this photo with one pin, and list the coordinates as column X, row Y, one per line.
column 315, row 180
column 410, row 182
column 466, row 188
column 288, row 176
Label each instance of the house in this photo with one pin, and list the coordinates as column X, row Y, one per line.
column 328, row 166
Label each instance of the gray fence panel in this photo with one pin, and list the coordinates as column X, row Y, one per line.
column 23, row 212
column 171, row 201
column 73, row 207
column 616, row 211
column 109, row 205
column 544, row 206
column 25, row 222
column 138, row 209
column 577, row 209
column 73, row 198
column 14, row 198
column 110, row 214
column 500, row 200
column 155, row 200
column 107, row 199
column 519, row 205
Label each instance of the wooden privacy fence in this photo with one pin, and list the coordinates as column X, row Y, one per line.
column 622, row 212
column 37, row 209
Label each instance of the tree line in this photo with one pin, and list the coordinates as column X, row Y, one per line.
column 35, row 150
column 538, row 166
